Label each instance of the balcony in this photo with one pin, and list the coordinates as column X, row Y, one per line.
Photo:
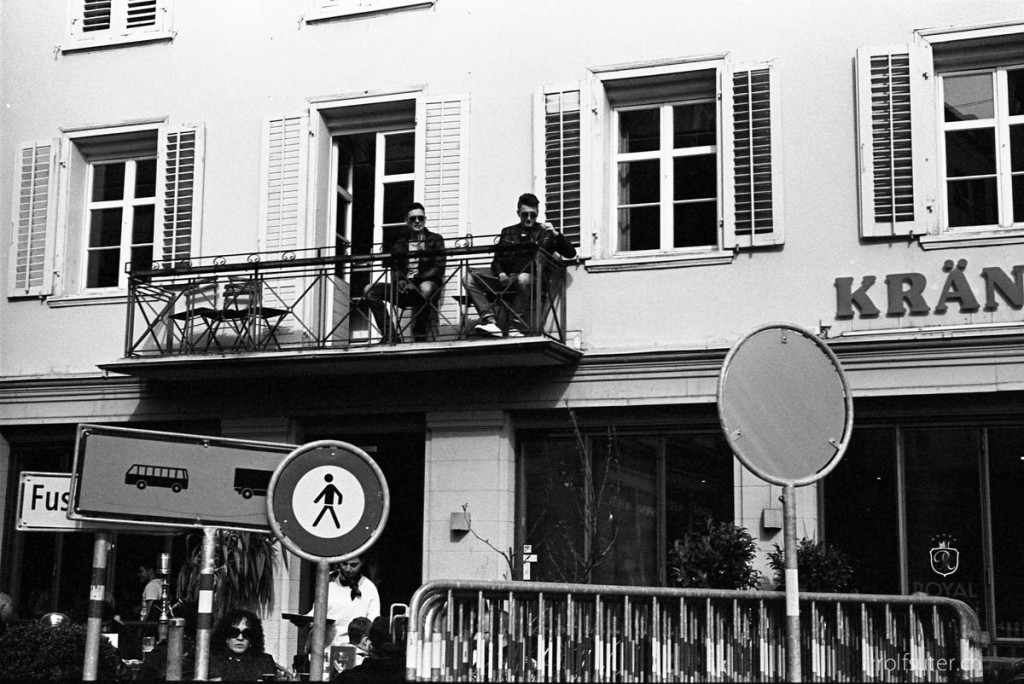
column 305, row 312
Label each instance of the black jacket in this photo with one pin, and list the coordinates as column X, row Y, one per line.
column 432, row 259
column 526, row 242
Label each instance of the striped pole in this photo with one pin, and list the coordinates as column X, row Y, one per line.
column 97, row 591
column 204, row 619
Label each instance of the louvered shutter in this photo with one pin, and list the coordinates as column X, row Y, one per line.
column 895, row 145
column 140, row 14
column 283, row 183
column 97, row 15
column 558, row 155
column 441, row 126
column 33, row 234
column 753, row 197
column 181, row 165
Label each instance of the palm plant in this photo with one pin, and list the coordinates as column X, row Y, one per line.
column 243, row 570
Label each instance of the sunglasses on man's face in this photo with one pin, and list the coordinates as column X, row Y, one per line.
column 528, row 214
column 235, row 633
column 417, row 219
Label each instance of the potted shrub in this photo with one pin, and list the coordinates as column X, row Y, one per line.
column 43, row 653
column 822, row 567
column 718, row 555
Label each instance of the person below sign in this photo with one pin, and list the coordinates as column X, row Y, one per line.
column 349, row 595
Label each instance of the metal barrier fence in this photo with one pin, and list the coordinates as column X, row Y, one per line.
column 315, row 299
column 533, row 631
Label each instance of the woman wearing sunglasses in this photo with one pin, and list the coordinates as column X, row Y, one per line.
column 237, row 649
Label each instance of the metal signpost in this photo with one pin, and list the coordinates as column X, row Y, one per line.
column 166, row 480
column 786, row 411
column 327, row 501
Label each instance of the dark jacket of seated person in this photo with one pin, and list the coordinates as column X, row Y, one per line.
column 385, row 662
column 516, row 260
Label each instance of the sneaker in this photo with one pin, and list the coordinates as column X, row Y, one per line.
column 513, row 332
column 488, row 328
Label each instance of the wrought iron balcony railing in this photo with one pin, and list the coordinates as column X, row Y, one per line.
column 316, row 299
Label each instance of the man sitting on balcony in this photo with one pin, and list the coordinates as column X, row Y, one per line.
column 510, row 269
column 415, row 281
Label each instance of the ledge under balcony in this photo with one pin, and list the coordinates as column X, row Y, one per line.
column 307, row 312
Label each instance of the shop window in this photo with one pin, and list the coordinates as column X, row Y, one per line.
column 328, row 9
column 131, row 195
column 690, row 172
column 941, row 131
column 99, row 23
column 604, row 507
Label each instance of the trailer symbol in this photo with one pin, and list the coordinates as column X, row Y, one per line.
column 143, row 476
column 249, row 482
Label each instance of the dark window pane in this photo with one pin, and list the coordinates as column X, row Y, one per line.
column 397, row 198
column 1006, row 482
column 1015, row 79
column 142, row 231
column 695, row 177
column 865, row 481
column 625, row 488
column 970, row 153
column 698, row 484
column 693, row 125
column 972, row 202
column 639, row 182
column 104, row 268
column 145, row 178
column 695, row 224
column 399, row 153
column 639, row 228
column 142, row 258
column 105, row 227
column 968, row 97
column 107, row 182
column 1017, row 147
column 1018, row 199
column 553, row 507
column 943, row 513
column 639, row 130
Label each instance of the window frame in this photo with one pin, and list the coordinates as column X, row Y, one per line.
column 128, row 203
column 119, row 33
column 322, row 10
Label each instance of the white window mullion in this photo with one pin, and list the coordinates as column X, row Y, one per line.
column 1004, row 166
column 127, row 222
column 666, row 195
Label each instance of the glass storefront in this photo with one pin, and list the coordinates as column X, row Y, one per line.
column 935, row 509
column 603, row 506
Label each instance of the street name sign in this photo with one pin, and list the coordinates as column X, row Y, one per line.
column 43, row 500
column 152, row 478
column 328, row 501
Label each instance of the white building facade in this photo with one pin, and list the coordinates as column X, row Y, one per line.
column 717, row 168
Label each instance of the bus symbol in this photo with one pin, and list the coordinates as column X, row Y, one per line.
column 249, row 482
column 143, row 476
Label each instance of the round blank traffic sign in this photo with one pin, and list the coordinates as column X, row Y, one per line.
column 785, row 405
column 328, row 500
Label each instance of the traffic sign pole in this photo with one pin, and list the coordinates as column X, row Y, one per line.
column 204, row 619
column 793, row 665
column 97, row 592
column 316, row 658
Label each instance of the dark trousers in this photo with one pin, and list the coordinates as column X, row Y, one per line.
column 485, row 291
column 420, row 297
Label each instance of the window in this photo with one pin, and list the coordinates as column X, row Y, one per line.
column 603, row 507
column 120, row 209
column 328, row 9
column 943, row 157
column 96, row 23
column 132, row 194
column 688, row 173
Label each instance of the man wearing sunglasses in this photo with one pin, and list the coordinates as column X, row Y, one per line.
column 417, row 273
column 511, row 269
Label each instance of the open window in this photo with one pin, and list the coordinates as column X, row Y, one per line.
column 941, row 137
column 100, row 23
column 669, row 165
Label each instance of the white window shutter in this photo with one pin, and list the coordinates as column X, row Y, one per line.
column 751, row 134
column 143, row 14
column 283, row 183
column 442, row 135
column 557, row 156
column 896, row 145
column 181, row 184
column 32, row 238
